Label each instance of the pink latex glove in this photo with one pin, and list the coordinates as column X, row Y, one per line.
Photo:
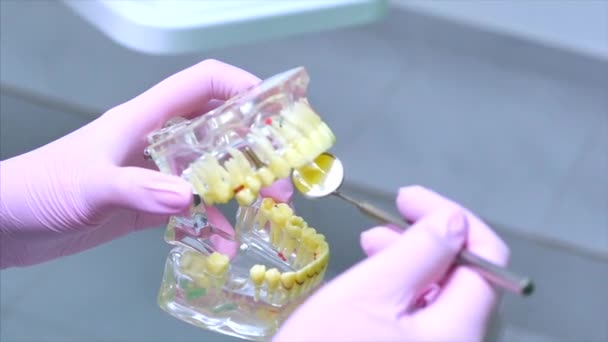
column 408, row 289
column 94, row 185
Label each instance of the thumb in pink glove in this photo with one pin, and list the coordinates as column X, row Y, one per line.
column 94, row 185
column 408, row 289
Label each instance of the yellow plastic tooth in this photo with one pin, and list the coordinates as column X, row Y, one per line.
column 300, row 257
column 319, row 270
column 287, row 130
column 273, row 277
column 279, row 216
column 320, row 263
column 275, row 233
column 302, row 111
column 293, row 230
column 236, row 175
column 199, row 178
column 310, row 268
column 321, row 142
column 193, row 265
column 187, row 260
column 262, row 143
column 213, row 174
column 217, row 263
column 267, row 206
column 326, row 132
column 208, row 170
column 323, row 263
column 253, row 182
column 257, row 273
column 322, row 247
column 298, row 221
column 281, row 213
column 241, row 160
column 288, row 279
column 279, row 167
column 294, row 158
column 305, row 249
column 307, row 147
column 320, row 276
column 302, row 123
column 222, row 193
column 309, row 238
column 201, row 190
column 245, row 197
column 266, row 176
column 301, row 277
column 264, row 213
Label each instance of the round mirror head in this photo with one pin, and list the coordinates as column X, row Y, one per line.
column 320, row 178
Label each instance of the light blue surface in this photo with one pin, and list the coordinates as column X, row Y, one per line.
column 518, row 136
column 580, row 26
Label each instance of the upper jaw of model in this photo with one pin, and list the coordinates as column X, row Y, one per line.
column 272, row 259
column 247, row 143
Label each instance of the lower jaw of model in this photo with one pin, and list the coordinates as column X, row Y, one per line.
column 244, row 281
column 244, row 285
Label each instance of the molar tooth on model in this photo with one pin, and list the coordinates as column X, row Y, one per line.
column 243, row 282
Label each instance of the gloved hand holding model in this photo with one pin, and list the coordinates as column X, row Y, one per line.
column 408, row 289
column 94, row 185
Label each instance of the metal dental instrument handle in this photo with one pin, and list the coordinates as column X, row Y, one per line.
column 496, row 274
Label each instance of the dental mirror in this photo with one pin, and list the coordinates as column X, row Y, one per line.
column 324, row 177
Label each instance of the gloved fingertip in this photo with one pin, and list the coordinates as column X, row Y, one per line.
column 376, row 239
column 457, row 225
column 167, row 194
column 454, row 227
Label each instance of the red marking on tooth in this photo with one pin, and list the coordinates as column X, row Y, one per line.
column 268, row 121
column 239, row 188
column 282, row 256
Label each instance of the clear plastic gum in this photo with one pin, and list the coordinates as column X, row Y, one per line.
column 244, row 281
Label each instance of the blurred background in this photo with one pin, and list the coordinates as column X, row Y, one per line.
column 500, row 105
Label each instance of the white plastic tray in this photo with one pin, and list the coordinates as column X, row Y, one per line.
column 185, row 26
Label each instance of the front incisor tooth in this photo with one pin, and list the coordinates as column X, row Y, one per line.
column 217, row 263
column 273, row 277
column 257, row 274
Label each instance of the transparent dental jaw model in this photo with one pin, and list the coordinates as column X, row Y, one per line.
column 244, row 281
